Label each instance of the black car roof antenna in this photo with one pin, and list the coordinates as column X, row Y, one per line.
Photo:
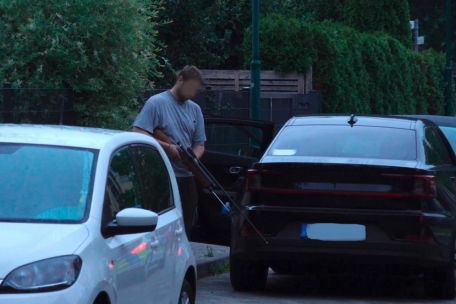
column 207, row 181
column 352, row 120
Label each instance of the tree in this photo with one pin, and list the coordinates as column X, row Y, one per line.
column 204, row 33
column 356, row 72
column 104, row 50
column 388, row 16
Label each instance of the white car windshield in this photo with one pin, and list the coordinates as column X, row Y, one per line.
column 45, row 183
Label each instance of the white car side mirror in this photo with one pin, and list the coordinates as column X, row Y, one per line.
column 133, row 217
column 131, row 221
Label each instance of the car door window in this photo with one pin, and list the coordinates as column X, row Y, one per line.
column 154, row 176
column 450, row 134
column 435, row 150
column 234, row 139
column 122, row 186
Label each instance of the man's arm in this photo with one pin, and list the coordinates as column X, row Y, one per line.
column 198, row 150
column 199, row 137
column 162, row 139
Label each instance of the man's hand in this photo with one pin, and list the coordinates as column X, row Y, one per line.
column 173, row 151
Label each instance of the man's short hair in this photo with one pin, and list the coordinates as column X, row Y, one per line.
column 191, row 72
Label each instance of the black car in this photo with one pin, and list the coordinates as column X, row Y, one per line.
column 446, row 123
column 331, row 191
column 232, row 146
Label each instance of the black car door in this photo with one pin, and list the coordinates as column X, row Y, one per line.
column 439, row 154
column 232, row 146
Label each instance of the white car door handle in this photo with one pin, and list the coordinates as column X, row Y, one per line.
column 179, row 231
column 154, row 244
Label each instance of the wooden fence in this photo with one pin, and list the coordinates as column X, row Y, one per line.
column 271, row 81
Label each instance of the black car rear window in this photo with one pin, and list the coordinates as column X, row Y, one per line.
column 345, row 141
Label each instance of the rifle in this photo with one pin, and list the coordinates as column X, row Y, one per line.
column 207, row 181
column 202, row 175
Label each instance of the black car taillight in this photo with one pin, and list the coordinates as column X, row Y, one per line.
column 418, row 232
column 398, row 186
column 255, row 180
column 422, row 186
column 266, row 230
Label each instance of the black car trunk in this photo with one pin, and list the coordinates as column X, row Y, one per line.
column 345, row 186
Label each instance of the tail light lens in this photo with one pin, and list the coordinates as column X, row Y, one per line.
column 402, row 186
column 420, row 238
column 248, row 230
column 418, row 232
column 269, row 230
column 423, row 186
column 254, row 179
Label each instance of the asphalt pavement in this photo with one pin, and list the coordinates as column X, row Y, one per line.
column 311, row 289
column 214, row 285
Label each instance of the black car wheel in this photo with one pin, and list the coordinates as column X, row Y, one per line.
column 247, row 275
column 440, row 282
column 187, row 295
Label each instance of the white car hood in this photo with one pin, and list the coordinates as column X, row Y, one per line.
column 24, row 243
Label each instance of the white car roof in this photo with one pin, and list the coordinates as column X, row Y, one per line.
column 92, row 138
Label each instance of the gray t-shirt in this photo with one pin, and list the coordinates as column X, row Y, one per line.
column 181, row 122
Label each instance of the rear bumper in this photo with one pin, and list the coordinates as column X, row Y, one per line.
column 380, row 247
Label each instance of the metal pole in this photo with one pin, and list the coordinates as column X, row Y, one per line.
column 417, row 25
column 449, row 68
column 255, row 65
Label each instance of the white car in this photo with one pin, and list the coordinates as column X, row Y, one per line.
column 90, row 216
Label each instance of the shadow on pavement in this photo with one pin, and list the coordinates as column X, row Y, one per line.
column 365, row 287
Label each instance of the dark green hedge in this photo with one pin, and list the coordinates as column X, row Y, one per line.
column 356, row 72
column 388, row 16
column 106, row 51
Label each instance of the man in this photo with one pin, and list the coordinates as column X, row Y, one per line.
column 171, row 117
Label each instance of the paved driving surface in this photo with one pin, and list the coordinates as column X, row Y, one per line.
column 309, row 289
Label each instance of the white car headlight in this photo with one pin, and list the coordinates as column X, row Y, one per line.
column 46, row 275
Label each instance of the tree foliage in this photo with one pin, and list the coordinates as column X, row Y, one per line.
column 356, row 72
column 204, row 33
column 104, row 50
column 388, row 16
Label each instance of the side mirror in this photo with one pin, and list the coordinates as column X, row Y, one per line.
column 130, row 221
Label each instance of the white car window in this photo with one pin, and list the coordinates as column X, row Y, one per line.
column 156, row 185
column 122, row 186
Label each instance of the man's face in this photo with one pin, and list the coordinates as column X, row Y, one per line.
column 188, row 88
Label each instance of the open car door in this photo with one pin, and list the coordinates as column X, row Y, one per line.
column 232, row 146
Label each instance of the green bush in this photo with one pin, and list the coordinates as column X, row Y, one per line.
column 203, row 33
column 388, row 16
column 105, row 51
column 356, row 72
